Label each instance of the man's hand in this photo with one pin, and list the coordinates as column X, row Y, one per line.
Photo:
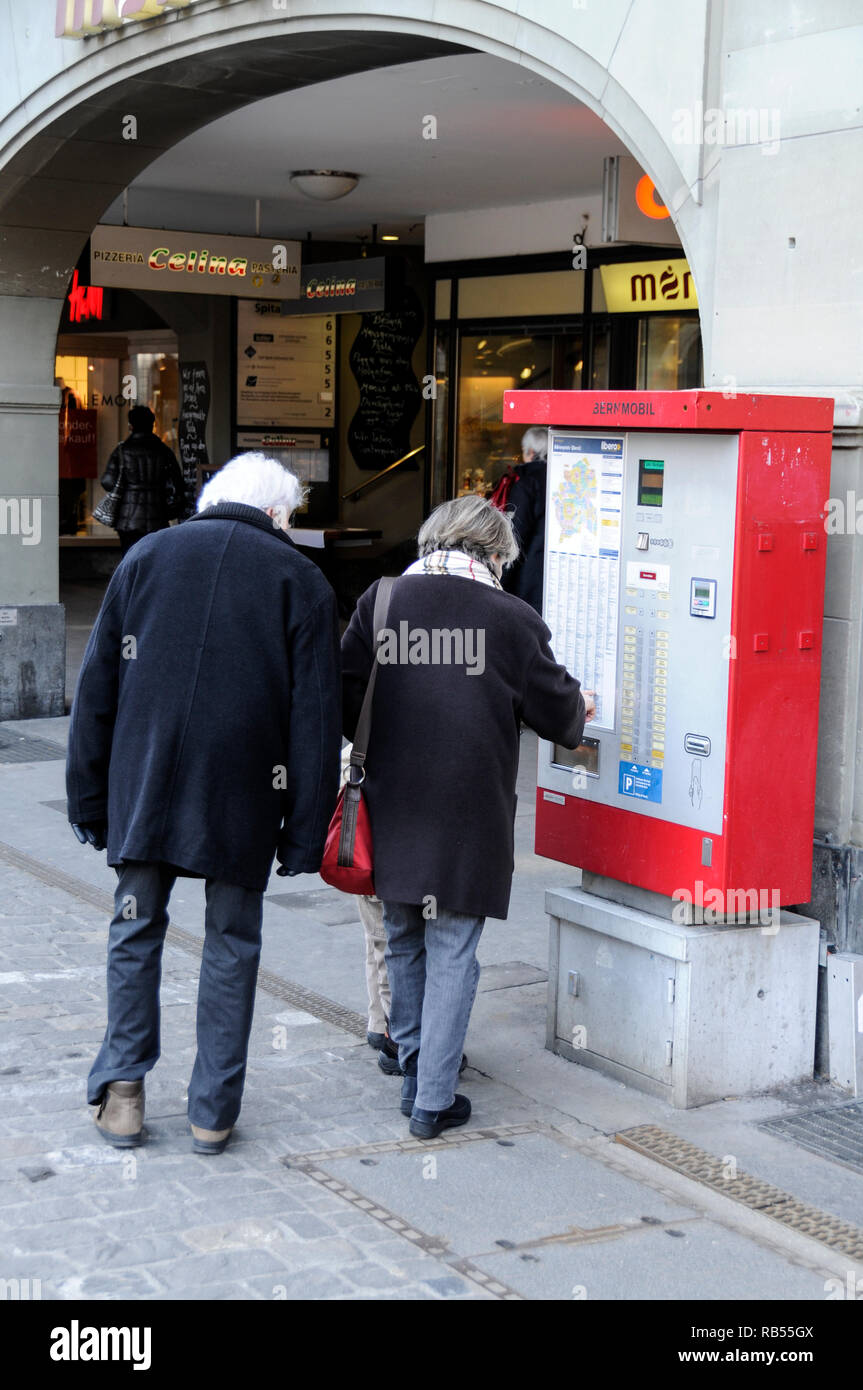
column 95, row 834
column 286, row 873
column 589, row 705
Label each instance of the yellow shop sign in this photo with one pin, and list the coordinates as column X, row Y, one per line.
column 639, row 286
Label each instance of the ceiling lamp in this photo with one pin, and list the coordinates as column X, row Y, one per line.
column 324, row 185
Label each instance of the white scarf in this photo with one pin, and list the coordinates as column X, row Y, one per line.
column 454, row 562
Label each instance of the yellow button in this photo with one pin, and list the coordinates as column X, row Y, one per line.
column 663, row 595
column 661, row 633
column 657, row 752
column 661, row 613
column 656, row 762
column 661, row 681
column 632, row 592
column 626, row 748
column 630, row 629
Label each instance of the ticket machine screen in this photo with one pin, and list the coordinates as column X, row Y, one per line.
column 639, row 552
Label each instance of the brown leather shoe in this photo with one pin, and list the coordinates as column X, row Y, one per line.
column 209, row 1141
column 120, row 1116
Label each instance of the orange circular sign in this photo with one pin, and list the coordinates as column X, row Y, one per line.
column 645, row 197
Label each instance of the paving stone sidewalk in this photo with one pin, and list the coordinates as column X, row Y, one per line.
column 322, row 1194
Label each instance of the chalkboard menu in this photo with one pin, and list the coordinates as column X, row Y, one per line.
column 192, row 427
column 390, row 394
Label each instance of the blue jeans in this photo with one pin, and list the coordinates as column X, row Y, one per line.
column 433, row 972
column 226, row 990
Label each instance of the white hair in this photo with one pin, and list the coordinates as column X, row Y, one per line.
column 470, row 524
column 536, row 438
column 256, row 480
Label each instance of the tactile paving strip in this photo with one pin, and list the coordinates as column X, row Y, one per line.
column 760, row 1196
column 431, row 1245
column 833, row 1131
column 327, row 1010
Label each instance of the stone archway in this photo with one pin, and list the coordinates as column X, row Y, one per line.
column 67, row 155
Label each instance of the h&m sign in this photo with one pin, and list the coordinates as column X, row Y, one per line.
column 77, row 19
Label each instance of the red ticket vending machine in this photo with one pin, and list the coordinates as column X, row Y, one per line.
column 684, row 583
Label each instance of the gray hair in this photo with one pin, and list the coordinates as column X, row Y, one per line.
column 536, row 438
column 257, row 480
column 470, row 524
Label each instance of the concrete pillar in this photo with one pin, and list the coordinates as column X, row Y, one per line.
column 32, row 627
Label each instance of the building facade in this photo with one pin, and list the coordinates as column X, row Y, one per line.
column 745, row 116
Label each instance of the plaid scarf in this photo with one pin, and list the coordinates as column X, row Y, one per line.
column 455, row 562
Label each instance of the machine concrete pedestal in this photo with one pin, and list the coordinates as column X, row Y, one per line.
column 690, row 1013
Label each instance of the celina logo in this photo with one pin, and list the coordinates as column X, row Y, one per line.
column 76, row 19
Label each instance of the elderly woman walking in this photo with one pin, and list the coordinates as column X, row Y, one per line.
column 461, row 665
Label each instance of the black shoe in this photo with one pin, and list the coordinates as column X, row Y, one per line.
column 376, row 1041
column 427, row 1124
column 388, row 1060
column 388, row 1057
column 409, row 1093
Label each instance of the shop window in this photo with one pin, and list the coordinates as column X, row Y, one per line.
column 669, row 353
column 600, row 356
column 489, row 364
column 440, row 412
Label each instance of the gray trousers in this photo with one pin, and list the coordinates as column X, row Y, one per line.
column 226, row 990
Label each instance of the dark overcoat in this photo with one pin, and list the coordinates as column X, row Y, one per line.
column 214, row 663
column 526, row 505
column 443, row 750
column 153, row 492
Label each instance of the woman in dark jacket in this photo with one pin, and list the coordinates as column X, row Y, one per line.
column 461, row 665
column 153, row 492
column 526, row 506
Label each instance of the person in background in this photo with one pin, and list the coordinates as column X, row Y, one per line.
column 153, row 490
column 526, row 504
column 440, row 777
column 204, row 740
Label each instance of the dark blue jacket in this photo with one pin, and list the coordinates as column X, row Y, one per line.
column 214, row 663
column 526, row 503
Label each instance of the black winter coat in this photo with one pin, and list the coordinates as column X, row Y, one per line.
column 526, row 502
column 214, row 663
column 153, row 489
column 443, row 750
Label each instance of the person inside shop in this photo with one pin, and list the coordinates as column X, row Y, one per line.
column 526, row 505
column 148, row 479
column 441, row 767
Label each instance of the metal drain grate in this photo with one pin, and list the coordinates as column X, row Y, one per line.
column 18, row 748
column 832, row 1131
column 760, row 1196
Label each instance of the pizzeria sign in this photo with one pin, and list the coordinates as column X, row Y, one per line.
column 151, row 258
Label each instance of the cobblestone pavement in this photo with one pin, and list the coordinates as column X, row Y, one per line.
column 322, row 1194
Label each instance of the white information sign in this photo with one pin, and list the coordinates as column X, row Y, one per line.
column 286, row 375
column 582, row 577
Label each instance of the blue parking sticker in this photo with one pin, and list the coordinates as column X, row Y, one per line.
column 644, row 783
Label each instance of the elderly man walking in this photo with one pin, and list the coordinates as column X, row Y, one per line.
column 204, row 741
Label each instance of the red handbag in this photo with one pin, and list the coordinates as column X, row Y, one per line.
column 348, row 861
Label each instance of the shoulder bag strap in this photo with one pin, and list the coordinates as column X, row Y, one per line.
column 364, row 723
